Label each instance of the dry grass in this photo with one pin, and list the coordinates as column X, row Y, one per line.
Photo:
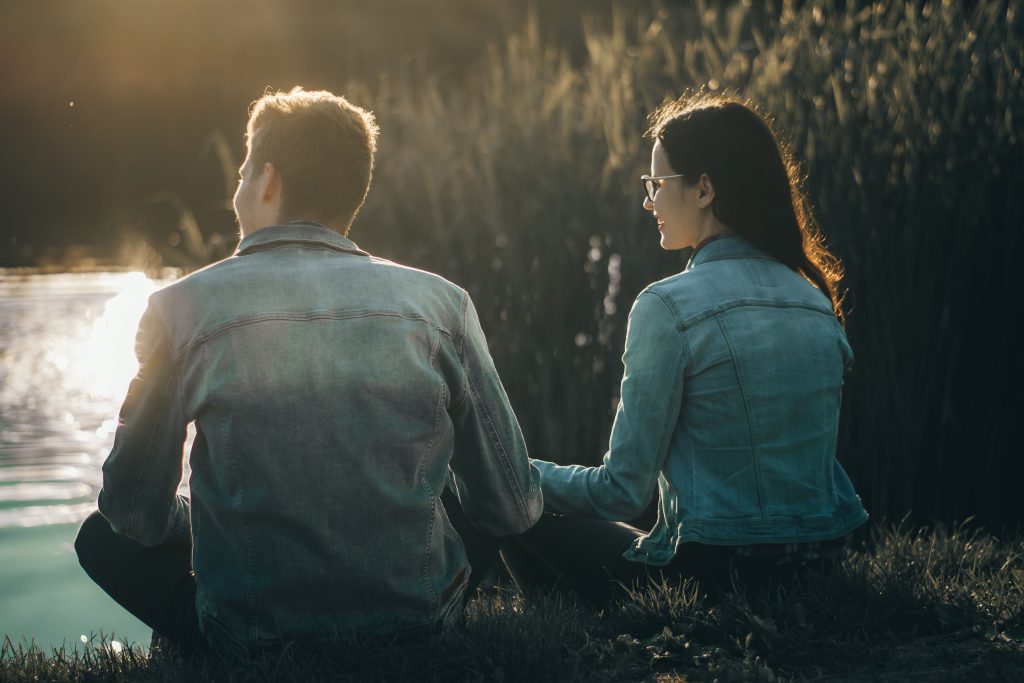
column 928, row 604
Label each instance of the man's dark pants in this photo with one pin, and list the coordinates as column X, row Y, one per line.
column 158, row 586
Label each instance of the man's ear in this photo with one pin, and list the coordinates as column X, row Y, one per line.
column 705, row 191
column 270, row 183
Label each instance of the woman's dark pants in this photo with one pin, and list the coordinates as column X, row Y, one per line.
column 585, row 556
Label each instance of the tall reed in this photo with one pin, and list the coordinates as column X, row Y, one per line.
column 520, row 183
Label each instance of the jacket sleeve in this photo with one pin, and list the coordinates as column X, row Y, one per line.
column 651, row 395
column 144, row 469
column 497, row 486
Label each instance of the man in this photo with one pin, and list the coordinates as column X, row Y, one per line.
column 333, row 395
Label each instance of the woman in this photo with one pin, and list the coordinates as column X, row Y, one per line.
column 733, row 375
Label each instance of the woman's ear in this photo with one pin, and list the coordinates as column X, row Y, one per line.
column 705, row 191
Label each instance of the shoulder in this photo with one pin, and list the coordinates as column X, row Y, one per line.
column 654, row 307
column 207, row 276
column 418, row 289
column 234, row 271
column 716, row 285
column 681, row 295
column 424, row 278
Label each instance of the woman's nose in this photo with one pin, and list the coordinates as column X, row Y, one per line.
column 648, row 204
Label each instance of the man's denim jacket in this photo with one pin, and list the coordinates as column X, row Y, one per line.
column 333, row 393
column 729, row 408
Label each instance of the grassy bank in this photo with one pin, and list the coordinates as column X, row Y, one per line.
column 908, row 604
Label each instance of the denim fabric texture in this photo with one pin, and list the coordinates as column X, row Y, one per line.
column 729, row 409
column 334, row 394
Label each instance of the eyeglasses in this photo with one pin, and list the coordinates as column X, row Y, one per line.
column 651, row 185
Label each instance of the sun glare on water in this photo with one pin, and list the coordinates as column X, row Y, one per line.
column 105, row 363
column 67, row 357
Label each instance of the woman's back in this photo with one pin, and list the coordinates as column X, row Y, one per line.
column 752, row 455
column 733, row 374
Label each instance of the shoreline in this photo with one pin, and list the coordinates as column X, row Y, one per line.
column 15, row 272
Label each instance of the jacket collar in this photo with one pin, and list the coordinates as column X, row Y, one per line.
column 296, row 232
column 725, row 247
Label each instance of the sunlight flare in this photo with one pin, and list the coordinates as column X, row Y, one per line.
column 105, row 363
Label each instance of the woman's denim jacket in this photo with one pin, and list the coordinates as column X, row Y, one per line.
column 729, row 408
column 331, row 392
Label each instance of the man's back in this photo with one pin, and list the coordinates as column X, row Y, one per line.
column 330, row 390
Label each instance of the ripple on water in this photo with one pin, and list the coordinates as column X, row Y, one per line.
column 66, row 358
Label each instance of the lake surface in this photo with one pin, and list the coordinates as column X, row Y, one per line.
column 66, row 358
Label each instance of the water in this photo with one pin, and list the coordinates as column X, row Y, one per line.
column 66, row 358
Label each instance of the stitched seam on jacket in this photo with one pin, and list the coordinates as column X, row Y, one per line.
column 301, row 317
column 746, row 409
column 732, row 257
column 663, row 446
column 431, row 498
column 766, row 303
column 460, row 350
column 250, row 551
column 130, row 521
column 425, row 567
column 299, row 244
column 506, row 465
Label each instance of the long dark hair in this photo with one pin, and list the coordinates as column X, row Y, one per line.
column 757, row 184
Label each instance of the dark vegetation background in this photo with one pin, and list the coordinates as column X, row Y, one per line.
column 509, row 163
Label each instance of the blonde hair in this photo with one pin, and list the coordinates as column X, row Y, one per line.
column 322, row 145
